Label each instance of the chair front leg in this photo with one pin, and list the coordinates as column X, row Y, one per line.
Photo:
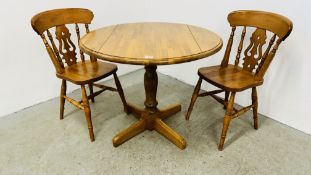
column 87, row 111
column 227, row 120
column 255, row 107
column 62, row 99
column 120, row 91
column 91, row 92
column 194, row 97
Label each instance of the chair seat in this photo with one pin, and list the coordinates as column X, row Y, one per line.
column 230, row 78
column 86, row 72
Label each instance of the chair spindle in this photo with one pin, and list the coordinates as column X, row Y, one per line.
column 55, row 61
column 266, row 53
column 88, row 31
column 237, row 59
column 268, row 60
column 87, row 28
column 54, row 48
column 78, row 35
column 256, row 58
column 225, row 60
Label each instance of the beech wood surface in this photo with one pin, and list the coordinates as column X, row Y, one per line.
column 63, row 55
column 151, row 43
column 87, row 71
column 231, row 78
column 255, row 62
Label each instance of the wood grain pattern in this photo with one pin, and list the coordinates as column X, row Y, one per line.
column 151, row 43
column 79, row 37
column 55, row 49
column 48, row 19
column 227, row 119
column 238, row 55
column 233, row 78
column 255, row 107
column 86, row 72
column 266, row 53
column 97, row 38
column 87, row 111
column 253, row 53
column 62, row 99
column 82, row 73
column 275, row 23
column 59, row 67
column 226, row 58
column 205, row 39
column 66, row 47
column 151, row 118
column 194, row 97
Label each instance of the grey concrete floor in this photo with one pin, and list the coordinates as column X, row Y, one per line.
column 35, row 141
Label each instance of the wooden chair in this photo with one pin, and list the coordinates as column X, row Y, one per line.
column 84, row 72
column 232, row 78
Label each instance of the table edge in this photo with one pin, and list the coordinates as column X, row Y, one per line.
column 154, row 61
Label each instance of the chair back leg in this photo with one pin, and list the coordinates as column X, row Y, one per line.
column 91, row 92
column 255, row 107
column 121, row 93
column 194, row 97
column 62, row 99
column 227, row 120
column 87, row 112
column 227, row 93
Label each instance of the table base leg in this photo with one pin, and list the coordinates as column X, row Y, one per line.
column 130, row 132
column 165, row 113
column 151, row 121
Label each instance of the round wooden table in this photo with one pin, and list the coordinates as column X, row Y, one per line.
column 151, row 44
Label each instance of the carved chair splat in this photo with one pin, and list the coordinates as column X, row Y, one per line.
column 82, row 72
column 233, row 78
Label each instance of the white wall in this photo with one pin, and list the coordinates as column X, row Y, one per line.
column 284, row 95
column 28, row 76
column 26, row 73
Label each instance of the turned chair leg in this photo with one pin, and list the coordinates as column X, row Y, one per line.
column 255, row 107
column 227, row 93
column 194, row 97
column 120, row 91
column 227, row 120
column 91, row 92
column 62, row 99
column 87, row 112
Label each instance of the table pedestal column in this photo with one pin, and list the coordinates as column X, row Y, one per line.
column 151, row 117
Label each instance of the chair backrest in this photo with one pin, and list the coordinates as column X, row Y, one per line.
column 255, row 60
column 58, row 18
